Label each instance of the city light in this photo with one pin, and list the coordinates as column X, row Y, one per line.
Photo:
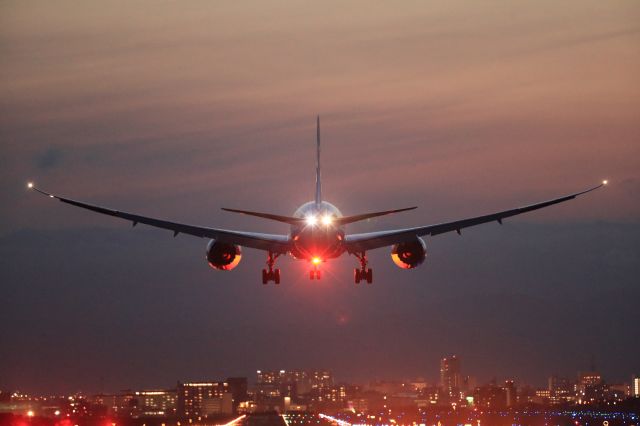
column 582, row 399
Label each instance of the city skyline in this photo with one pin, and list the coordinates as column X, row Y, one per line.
column 310, row 395
column 452, row 377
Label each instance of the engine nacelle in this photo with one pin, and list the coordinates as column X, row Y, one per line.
column 409, row 255
column 223, row 256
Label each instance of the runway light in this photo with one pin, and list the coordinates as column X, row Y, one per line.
column 326, row 220
column 57, row 412
column 316, row 260
column 312, row 220
column 30, row 185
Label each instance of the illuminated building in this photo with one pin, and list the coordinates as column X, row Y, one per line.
column 589, row 387
column 293, row 383
column 635, row 387
column 618, row 392
column 450, row 376
column 123, row 404
column 542, row 396
column 203, row 399
column 561, row 390
column 156, row 402
column 490, row 396
column 589, row 379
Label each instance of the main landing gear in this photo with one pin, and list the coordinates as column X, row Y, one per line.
column 362, row 274
column 271, row 274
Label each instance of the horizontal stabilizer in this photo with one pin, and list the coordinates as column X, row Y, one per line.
column 277, row 218
column 357, row 218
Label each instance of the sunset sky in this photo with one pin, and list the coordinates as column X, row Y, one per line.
column 175, row 109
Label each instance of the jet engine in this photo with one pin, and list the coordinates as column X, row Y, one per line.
column 223, row 256
column 410, row 254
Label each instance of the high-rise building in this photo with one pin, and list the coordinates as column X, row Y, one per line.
column 561, row 390
column 635, row 387
column 589, row 388
column 203, row 398
column 450, row 375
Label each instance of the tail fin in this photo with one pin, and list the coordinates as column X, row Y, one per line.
column 318, row 181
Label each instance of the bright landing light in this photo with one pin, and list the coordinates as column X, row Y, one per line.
column 30, row 185
column 326, row 220
column 316, row 260
column 604, row 182
column 311, row 220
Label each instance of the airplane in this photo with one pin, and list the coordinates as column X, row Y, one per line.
column 317, row 233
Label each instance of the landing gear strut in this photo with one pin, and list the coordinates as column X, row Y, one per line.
column 362, row 274
column 271, row 274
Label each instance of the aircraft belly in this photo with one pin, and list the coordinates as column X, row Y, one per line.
column 324, row 245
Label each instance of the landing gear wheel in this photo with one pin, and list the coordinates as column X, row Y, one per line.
column 312, row 274
column 271, row 274
column 318, row 275
column 362, row 274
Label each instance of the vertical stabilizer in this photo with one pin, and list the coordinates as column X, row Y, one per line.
column 318, row 181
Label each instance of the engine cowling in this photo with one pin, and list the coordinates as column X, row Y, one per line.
column 223, row 256
column 410, row 254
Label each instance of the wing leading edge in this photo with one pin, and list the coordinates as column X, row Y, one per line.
column 270, row 242
column 372, row 240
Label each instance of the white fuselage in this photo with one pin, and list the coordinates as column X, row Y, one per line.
column 319, row 238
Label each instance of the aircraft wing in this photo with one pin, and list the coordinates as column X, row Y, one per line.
column 269, row 242
column 373, row 240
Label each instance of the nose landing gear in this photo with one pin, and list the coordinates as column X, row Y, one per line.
column 315, row 273
column 271, row 274
column 362, row 274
